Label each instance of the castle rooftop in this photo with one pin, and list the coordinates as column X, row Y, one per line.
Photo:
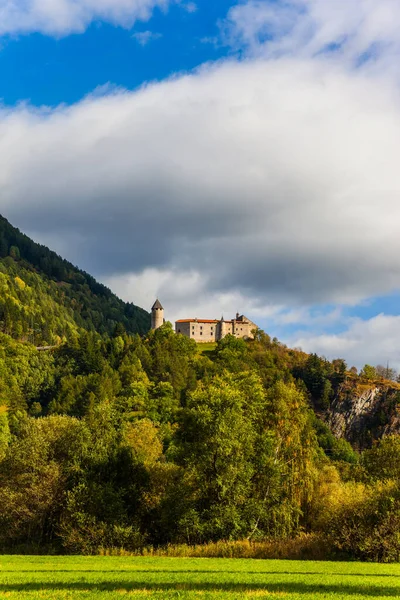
column 197, row 321
column 240, row 319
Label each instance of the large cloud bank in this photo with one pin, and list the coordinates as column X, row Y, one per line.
column 276, row 178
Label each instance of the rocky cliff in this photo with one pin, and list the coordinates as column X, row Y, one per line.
column 363, row 412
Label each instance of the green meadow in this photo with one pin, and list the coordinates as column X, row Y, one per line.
column 101, row 578
column 205, row 347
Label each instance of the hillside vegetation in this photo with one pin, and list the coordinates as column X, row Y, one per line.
column 117, row 442
column 130, row 442
column 44, row 298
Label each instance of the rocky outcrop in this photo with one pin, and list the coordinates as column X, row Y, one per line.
column 361, row 413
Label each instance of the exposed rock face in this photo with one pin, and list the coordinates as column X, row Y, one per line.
column 362, row 413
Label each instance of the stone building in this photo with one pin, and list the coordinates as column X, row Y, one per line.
column 206, row 330
column 213, row 330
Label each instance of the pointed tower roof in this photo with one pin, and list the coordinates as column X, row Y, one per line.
column 157, row 304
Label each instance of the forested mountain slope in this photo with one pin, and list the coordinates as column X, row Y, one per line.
column 127, row 441
column 44, row 298
column 112, row 439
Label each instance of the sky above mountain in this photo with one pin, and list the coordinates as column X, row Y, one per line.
column 224, row 156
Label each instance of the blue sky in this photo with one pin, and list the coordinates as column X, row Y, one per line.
column 224, row 156
column 47, row 70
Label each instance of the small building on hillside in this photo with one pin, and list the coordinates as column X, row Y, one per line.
column 213, row 330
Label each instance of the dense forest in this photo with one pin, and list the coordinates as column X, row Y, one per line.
column 45, row 299
column 111, row 439
column 127, row 441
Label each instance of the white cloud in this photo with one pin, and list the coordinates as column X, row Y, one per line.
column 316, row 318
column 214, row 40
column 308, row 27
column 275, row 179
column 190, row 7
column 144, row 37
column 375, row 341
column 61, row 17
column 185, row 294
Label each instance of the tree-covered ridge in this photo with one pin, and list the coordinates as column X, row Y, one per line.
column 44, row 297
column 126, row 441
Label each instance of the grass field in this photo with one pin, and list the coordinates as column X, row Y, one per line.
column 101, row 578
column 205, row 347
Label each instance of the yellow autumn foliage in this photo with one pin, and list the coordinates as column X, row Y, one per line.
column 143, row 439
column 20, row 283
column 332, row 495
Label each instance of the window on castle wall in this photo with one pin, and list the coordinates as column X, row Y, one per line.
column 201, row 333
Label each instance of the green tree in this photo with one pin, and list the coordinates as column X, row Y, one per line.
column 5, row 435
column 15, row 253
column 368, row 372
column 217, row 447
column 315, row 373
column 34, row 476
column 382, row 462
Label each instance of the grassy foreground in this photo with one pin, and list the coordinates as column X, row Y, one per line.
column 101, row 578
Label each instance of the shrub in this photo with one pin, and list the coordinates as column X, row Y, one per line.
column 368, row 528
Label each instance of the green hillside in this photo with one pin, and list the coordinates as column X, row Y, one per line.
column 44, row 298
column 114, row 441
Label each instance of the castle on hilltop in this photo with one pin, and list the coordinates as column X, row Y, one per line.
column 206, row 330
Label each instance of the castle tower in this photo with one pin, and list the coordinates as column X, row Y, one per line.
column 221, row 329
column 157, row 315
